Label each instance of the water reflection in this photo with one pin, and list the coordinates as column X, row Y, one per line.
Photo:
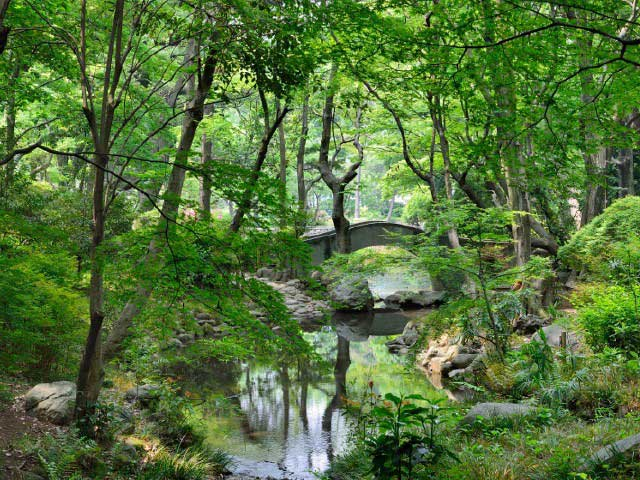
column 288, row 420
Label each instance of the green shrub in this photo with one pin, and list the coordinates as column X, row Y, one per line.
column 405, row 439
column 40, row 319
column 170, row 415
column 609, row 317
column 187, row 465
column 6, row 396
column 592, row 248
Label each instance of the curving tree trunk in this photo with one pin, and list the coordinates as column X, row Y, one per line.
column 336, row 184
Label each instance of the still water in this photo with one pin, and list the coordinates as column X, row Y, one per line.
column 287, row 422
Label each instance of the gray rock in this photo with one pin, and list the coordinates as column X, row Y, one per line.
column 607, row 453
column 186, row 338
column 492, row 410
column 408, row 299
column 265, row 273
column 316, row 275
column 174, row 343
column 462, row 360
column 527, row 324
column 351, row 295
column 53, row 402
column 203, row 316
column 142, row 393
column 553, row 334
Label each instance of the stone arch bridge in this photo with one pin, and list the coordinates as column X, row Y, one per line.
column 363, row 234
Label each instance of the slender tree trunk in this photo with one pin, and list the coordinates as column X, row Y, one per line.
column 392, row 203
column 89, row 382
column 356, row 197
column 304, row 131
column 205, row 182
column 436, row 111
column 282, row 150
column 245, row 202
column 360, row 150
column 337, row 185
column 10, row 132
column 192, row 118
column 91, row 368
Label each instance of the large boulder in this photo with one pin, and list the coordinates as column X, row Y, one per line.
column 351, row 295
column 492, row 411
column 53, row 402
column 553, row 335
column 410, row 300
column 528, row 324
column 605, row 454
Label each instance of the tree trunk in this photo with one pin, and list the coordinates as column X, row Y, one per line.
column 625, row 172
column 205, row 182
column 360, row 150
column 245, row 202
column 595, row 196
column 282, row 149
column 340, row 221
column 304, row 131
column 356, row 197
column 512, row 161
column 90, row 374
column 337, row 185
column 10, row 132
column 192, row 118
column 436, row 112
column 4, row 30
column 392, row 203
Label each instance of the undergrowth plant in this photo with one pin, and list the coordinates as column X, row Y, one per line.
column 403, row 439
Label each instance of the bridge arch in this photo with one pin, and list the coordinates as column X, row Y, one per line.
column 363, row 234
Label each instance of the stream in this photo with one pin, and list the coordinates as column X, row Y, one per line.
column 285, row 422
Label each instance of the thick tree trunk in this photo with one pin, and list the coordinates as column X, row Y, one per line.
column 595, row 165
column 512, row 161
column 625, row 172
column 205, row 182
column 4, row 30
column 340, row 221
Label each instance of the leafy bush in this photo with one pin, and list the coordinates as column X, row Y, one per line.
column 186, row 465
column 609, row 317
column 592, row 248
column 405, row 437
column 170, row 415
column 40, row 318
